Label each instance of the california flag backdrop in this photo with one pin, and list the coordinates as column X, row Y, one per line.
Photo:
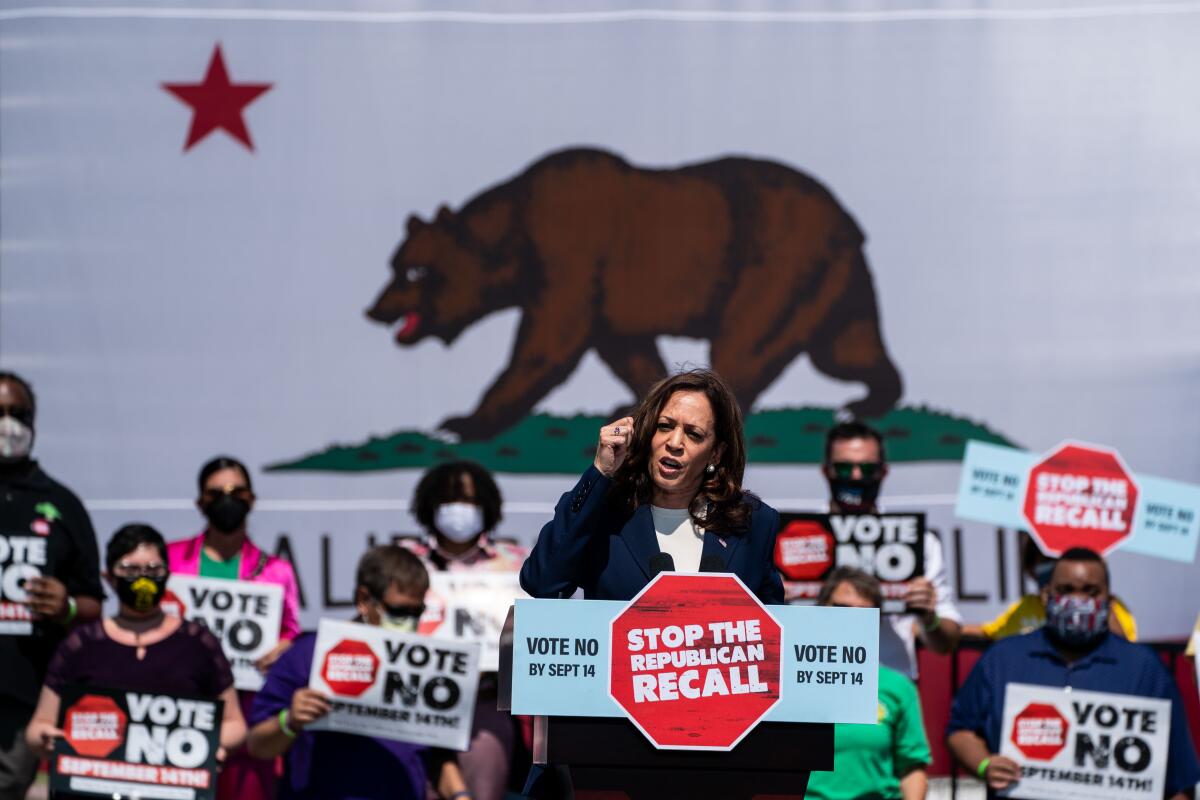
column 346, row 241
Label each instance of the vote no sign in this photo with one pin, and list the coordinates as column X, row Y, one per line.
column 119, row 743
column 244, row 616
column 695, row 661
column 1080, row 745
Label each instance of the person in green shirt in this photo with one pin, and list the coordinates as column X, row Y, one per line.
column 887, row 760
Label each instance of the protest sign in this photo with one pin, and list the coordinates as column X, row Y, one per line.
column 136, row 744
column 471, row 606
column 21, row 557
column 889, row 546
column 1080, row 745
column 244, row 616
column 394, row 685
column 691, row 644
column 1079, row 495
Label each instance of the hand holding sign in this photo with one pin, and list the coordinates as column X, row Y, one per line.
column 47, row 597
column 920, row 597
column 308, row 706
column 613, row 446
column 1001, row 772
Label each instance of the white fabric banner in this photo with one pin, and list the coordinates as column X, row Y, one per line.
column 962, row 222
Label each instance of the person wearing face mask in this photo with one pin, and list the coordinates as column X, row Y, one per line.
column 1074, row 649
column 389, row 591
column 139, row 648
column 855, row 466
column 223, row 550
column 458, row 505
column 38, row 517
column 1028, row 613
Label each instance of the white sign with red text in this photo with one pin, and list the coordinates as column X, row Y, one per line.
column 392, row 685
column 21, row 557
column 244, row 616
column 1079, row 745
column 469, row 606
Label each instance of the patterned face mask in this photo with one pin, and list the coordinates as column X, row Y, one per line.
column 1076, row 621
column 141, row 593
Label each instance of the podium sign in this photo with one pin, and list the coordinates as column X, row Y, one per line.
column 695, row 661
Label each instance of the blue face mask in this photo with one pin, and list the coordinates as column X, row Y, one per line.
column 1076, row 621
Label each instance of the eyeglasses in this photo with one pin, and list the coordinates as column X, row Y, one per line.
column 868, row 469
column 125, row 569
column 22, row 414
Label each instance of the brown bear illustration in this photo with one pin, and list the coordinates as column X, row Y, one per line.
column 752, row 255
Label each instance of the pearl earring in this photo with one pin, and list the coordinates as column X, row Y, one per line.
column 710, row 469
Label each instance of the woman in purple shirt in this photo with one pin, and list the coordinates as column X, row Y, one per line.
column 140, row 648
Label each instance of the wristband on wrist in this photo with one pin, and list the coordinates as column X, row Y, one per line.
column 932, row 626
column 981, row 770
column 464, row 795
column 283, row 726
column 72, row 610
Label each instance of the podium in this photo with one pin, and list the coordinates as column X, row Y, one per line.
column 608, row 758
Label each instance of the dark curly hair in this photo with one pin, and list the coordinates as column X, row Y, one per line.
column 444, row 484
column 720, row 504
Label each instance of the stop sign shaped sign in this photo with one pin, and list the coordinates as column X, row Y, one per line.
column 94, row 725
column 1080, row 496
column 350, row 667
column 804, row 550
column 695, row 661
column 1040, row 732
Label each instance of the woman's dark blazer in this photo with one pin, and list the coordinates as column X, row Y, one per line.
column 607, row 552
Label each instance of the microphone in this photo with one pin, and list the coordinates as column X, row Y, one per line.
column 661, row 562
column 712, row 564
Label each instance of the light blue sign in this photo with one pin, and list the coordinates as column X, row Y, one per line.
column 1166, row 522
column 993, row 483
column 561, row 658
column 830, row 665
column 830, row 669
column 991, row 486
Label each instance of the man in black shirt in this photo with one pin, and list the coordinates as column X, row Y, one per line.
column 49, row 577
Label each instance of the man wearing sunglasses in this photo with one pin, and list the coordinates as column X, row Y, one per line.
column 389, row 591
column 855, row 466
column 49, row 577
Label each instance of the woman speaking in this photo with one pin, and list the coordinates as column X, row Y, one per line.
column 663, row 493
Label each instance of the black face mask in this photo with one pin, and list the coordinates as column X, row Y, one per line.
column 227, row 513
column 142, row 593
column 855, row 496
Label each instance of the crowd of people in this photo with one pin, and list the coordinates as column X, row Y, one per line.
column 664, row 492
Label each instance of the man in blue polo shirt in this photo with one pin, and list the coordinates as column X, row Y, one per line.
column 1075, row 650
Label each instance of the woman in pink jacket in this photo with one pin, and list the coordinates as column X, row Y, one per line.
column 223, row 550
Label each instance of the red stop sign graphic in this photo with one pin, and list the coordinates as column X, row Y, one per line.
column 350, row 667
column 1040, row 732
column 804, row 550
column 172, row 605
column 695, row 661
column 1080, row 496
column 94, row 726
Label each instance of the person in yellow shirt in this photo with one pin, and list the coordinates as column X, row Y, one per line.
column 1029, row 613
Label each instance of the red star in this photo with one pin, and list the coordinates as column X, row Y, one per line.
column 217, row 103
